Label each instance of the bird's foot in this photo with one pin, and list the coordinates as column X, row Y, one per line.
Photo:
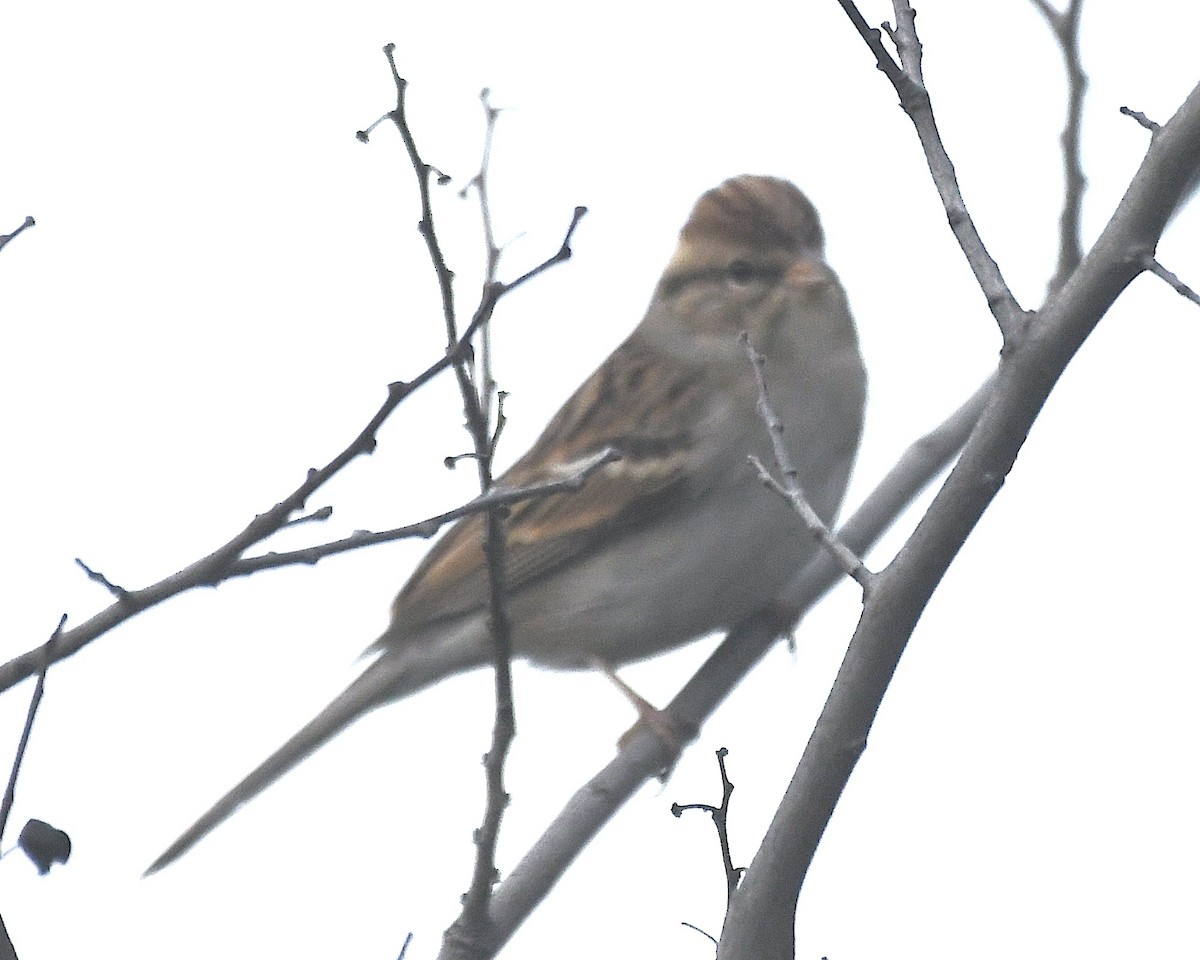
column 672, row 733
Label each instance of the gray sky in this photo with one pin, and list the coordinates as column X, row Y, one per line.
column 223, row 281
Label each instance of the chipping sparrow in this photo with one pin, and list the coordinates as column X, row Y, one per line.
column 677, row 538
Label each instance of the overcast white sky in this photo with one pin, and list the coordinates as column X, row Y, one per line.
column 223, row 281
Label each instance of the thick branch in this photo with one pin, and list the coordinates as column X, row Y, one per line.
column 645, row 755
column 761, row 922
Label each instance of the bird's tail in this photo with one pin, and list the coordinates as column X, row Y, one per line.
column 394, row 675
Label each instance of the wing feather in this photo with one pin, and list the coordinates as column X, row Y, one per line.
column 549, row 534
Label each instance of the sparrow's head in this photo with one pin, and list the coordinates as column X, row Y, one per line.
column 749, row 216
column 750, row 257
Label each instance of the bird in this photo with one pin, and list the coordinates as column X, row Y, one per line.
column 677, row 537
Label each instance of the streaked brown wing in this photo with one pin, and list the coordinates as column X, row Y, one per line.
column 552, row 533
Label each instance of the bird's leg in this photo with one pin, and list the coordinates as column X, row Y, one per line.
column 666, row 728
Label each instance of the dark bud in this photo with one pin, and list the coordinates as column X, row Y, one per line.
column 44, row 845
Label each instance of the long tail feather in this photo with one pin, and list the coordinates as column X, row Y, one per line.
column 391, row 677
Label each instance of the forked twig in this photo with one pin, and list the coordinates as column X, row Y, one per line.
column 909, row 83
column 790, row 489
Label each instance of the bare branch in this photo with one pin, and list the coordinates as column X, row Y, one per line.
column 790, row 488
column 1065, row 27
column 914, row 98
column 484, row 378
column 10, row 791
column 1142, row 119
column 217, row 566
column 5, row 237
column 703, row 933
column 1171, row 279
column 1155, row 129
column 317, row 516
column 761, row 920
column 720, row 818
column 478, row 390
column 94, row 575
column 445, row 279
column 7, row 950
column 644, row 754
column 496, row 497
column 563, row 255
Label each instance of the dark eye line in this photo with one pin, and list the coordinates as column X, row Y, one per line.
column 742, row 273
column 739, row 272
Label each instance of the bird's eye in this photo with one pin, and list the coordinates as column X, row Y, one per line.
column 739, row 273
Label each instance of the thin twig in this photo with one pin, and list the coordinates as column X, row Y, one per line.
column 1171, row 279
column 5, row 237
column 1142, row 119
column 790, row 488
column 1065, row 27
column 761, row 921
column 480, row 401
column 914, row 98
column 423, row 170
column 477, row 389
column 720, row 817
column 496, row 497
column 703, row 933
column 10, row 791
column 1155, row 129
column 97, row 577
column 487, row 385
column 473, row 925
column 644, row 755
column 317, row 516
column 216, row 566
